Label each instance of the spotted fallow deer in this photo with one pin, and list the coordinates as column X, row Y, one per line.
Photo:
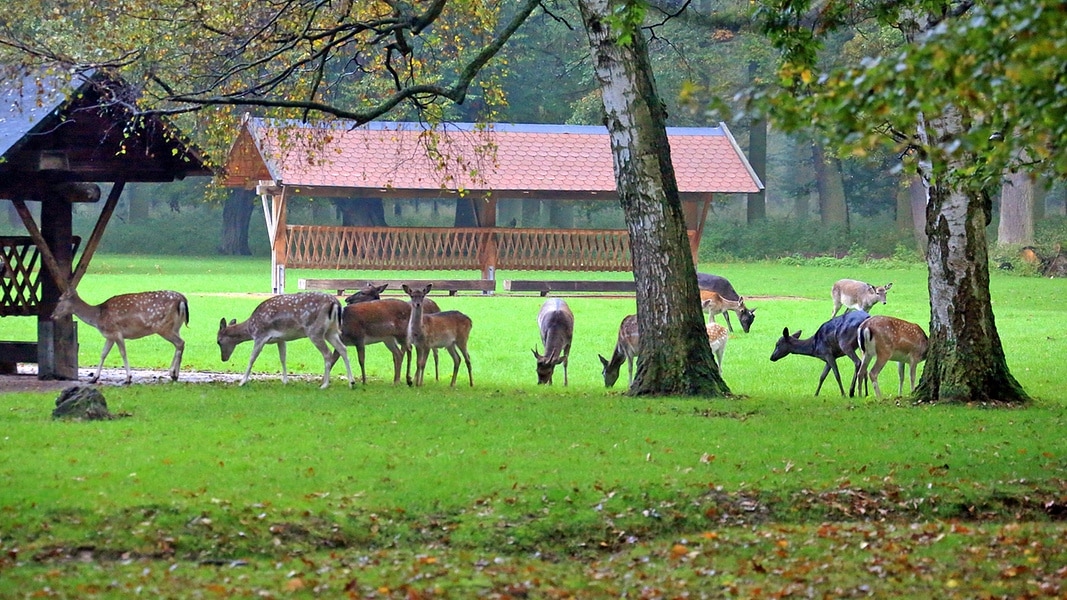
column 883, row 339
column 129, row 317
column 449, row 330
column 717, row 338
column 857, row 295
column 284, row 318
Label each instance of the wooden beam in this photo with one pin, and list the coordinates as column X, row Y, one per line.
column 98, row 232
column 42, row 246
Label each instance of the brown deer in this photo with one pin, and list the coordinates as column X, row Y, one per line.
column 130, row 317
column 720, row 285
column 374, row 292
column 883, row 339
column 374, row 321
column 556, row 323
column 714, row 304
column 284, row 318
column 449, row 330
column 857, row 295
column 625, row 350
column 717, row 338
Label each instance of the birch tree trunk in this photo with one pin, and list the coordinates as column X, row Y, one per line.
column 965, row 361
column 674, row 356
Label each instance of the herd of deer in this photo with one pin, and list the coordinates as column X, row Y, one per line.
column 419, row 324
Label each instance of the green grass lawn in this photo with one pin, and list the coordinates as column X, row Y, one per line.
column 510, row 489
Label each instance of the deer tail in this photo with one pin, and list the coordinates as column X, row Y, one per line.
column 183, row 311
column 864, row 338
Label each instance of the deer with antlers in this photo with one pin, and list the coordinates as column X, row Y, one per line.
column 130, row 317
column 556, row 323
column 284, row 318
column 449, row 330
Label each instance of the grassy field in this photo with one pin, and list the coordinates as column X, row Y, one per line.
column 514, row 490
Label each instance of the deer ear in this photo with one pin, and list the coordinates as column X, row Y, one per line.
column 429, row 286
column 381, row 288
column 407, row 290
column 887, row 286
column 797, row 334
column 753, row 310
column 603, row 360
column 233, row 321
column 785, row 332
column 222, row 324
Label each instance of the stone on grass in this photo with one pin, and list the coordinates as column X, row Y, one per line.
column 83, row 403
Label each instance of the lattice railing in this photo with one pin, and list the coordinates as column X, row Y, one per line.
column 321, row 247
column 20, row 276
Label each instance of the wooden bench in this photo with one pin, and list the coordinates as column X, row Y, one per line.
column 544, row 287
column 450, row 285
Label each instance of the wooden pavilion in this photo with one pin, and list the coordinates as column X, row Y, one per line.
column 282, row 159
column 58, row 139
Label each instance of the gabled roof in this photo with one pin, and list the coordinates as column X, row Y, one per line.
column 384, row 158
column 90, row 135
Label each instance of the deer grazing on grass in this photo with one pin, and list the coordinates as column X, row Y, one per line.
column 449, row 330
column 709, row 284
column 284, row 318
column 714, row 304
column 857, row 295
column 130, row 317
column 834, row 339
column 883, row 339
column 374, row 292
column 625, row 350
column 556, row 324
column 717, row 338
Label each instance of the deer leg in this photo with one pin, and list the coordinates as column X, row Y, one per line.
column 879, row 362
column 729, row 325
column 320, row 343
column 422, row 354
column 467, row 359
column 900, row 378
column 407, row 376
column 855, row 374
column 257, row 347
column 100, row 367
column 179, row 349
column 436, row 371
column 125, row 363
column 339, row 348
column 361, row 355
column 455, row 363
column 398, row 357
column 281, row 357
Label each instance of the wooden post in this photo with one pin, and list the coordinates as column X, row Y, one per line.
column 57, row 340
column 485, row 209
column 273, row 198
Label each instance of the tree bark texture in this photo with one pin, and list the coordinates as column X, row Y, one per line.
column 756, row 207
column 1016, row 210
column 236, row 217
column 674, row 356
column 832, row 207
column 965, row 360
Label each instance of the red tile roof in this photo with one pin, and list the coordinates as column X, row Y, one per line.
column 538, row 159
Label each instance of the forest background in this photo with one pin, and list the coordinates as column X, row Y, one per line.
column 816, row 203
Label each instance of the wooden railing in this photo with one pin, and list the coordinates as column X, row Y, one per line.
column 369, row 248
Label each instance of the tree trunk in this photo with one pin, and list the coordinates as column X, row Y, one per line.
column 466, row 216
column 1016, row 210
column 832, row 207
column 1041, row 185
column 361, row 212
column 756, row 208
column 965, row 361
column 531, row 213
column 561, row 214
column 917, row 195
column 138, row 203
column 674, row 356
column 236, row 217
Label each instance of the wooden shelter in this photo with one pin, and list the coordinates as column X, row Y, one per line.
column 486, row 163
column 58, row 139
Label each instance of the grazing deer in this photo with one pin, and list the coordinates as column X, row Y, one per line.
column 449, row 330
column 719, row 285
column 130, row 317
column 625, row 349
column 714, row 304
column 883, row 339
column 374, row 292
column 857, row 295
column 284, row 318
column 717, row 338
column 834, row 339
column 556, row 323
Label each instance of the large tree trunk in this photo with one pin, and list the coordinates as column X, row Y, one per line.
column 531, row 213
column 832, row 207
column 674, row 355
column 756, row 207
column 236, row 217
column 361, row 212
column 1016, row 210
column 965, row 361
